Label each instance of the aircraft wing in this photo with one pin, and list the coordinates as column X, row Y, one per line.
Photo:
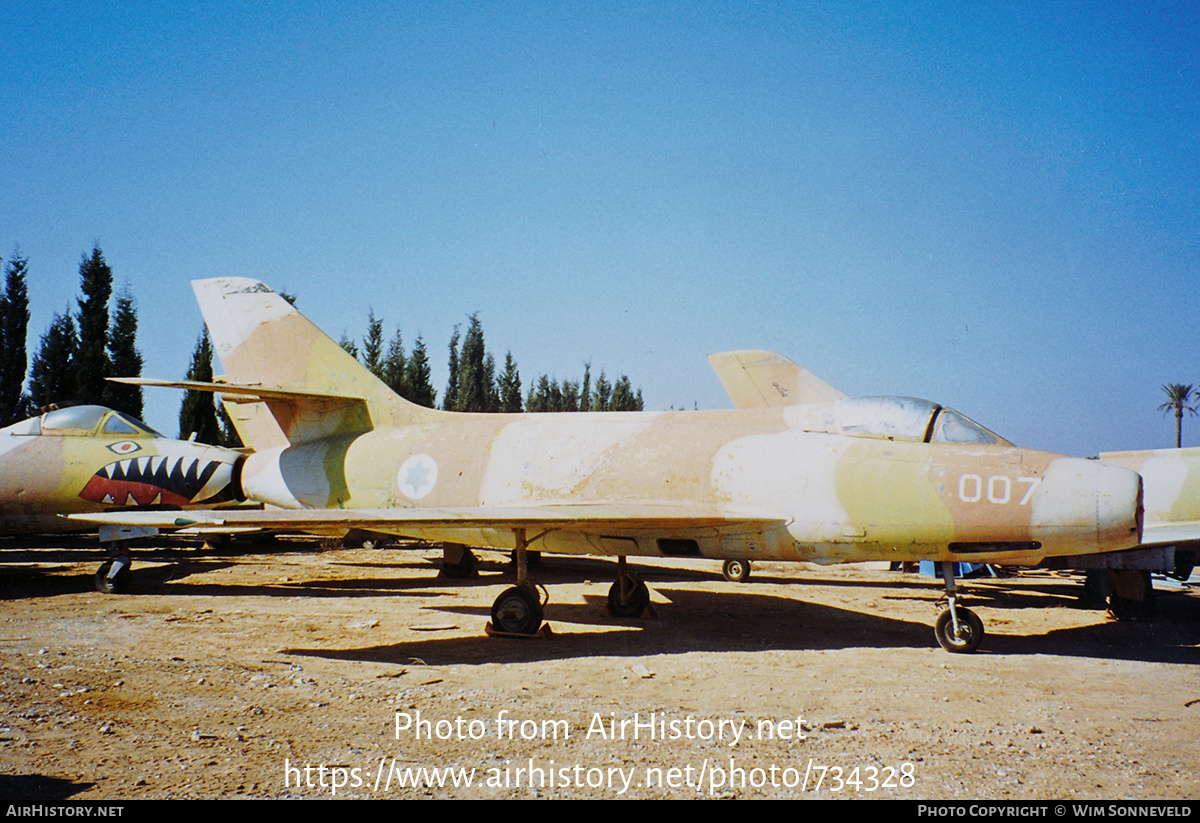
column 1171, row 534
column 579, row 518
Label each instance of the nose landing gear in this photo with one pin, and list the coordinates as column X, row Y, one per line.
column 957, row 629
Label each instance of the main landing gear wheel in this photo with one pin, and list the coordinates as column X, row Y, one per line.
column 113, row 576
column 968, row 636
column 517, row 611
column 630, row 599
column 736, row 571
column 1130, row 594
column 461, row 569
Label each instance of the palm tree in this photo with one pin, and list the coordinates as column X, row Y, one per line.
column 1179, row 397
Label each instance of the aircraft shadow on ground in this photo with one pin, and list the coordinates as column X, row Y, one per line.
column 736, row 618
column 39, row 788
column 697, row 621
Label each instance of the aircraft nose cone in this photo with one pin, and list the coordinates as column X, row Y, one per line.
column 1089, row 506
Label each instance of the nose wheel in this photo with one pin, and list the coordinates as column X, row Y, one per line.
column 957, row 629
column 736, row 571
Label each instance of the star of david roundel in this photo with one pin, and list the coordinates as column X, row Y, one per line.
column 417, row 476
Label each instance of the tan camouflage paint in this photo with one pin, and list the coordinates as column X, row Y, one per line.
column 1171, row 479
column 44, row 473
column 760, row 483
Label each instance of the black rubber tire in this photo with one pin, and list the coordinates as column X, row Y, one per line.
column 970, row 631
column 517, row 611
column 736, row 571
column 637, row 602
column 463, row 569
column 116, row 585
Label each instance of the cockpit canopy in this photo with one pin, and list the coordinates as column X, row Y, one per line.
column 84, row 421
column 897, row 418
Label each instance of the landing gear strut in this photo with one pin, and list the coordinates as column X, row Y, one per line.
column 113, row 575
column 957, row 629
column 628, row 596
column 518, row 609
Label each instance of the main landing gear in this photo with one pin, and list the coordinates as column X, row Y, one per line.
column 458, row 562
column 957, row 629
column 628, row 596
column 519, row 609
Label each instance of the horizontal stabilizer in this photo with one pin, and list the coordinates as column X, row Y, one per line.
column 241, row 392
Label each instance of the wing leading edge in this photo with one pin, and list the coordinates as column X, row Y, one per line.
column 576, row 528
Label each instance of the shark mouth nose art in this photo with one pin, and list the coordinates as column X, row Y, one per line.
column 161, row 480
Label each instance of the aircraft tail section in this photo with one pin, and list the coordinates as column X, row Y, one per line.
column 763, row 379
column 273, row 356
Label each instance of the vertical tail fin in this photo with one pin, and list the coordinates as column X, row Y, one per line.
column 763, row 379
column 312, row 387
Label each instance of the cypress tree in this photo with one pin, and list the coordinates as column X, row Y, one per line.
column 52, row 375
column 450, row 401
column 492, row 383
column 417, row 378
column 622, row 395
column 570, row 396
column 125, row 358
column 349, row 345
column 373, row 345
column 198, row 412
column 91, row 361
column 510, row 386
column 394, row 366
column 602, row 397
column 585, row 391
column 14, row 328
column 473, row 382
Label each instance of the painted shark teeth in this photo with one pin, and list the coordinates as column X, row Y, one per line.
column 160, row 479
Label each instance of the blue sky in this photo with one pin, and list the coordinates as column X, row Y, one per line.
column 996, row 210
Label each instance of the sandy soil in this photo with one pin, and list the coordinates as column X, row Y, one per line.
column 358, row 673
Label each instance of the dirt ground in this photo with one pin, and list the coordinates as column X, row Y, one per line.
column 288, row 672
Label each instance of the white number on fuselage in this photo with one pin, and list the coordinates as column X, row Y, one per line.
column 996, row 489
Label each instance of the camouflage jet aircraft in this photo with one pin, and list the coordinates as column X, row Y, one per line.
column 844, row 480
column 1170, row 477
column 94, row 459
column 1171, row 480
